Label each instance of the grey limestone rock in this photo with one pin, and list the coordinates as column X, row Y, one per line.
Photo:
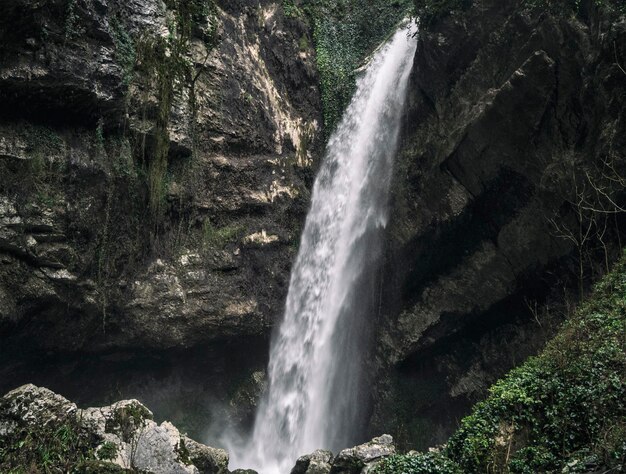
column 318, row 462
column 361, row 459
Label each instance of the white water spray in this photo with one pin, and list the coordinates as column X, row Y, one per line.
column 314, row 373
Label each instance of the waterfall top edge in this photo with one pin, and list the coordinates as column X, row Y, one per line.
column 410, row 24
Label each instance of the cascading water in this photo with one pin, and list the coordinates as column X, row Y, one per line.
column 314, row 390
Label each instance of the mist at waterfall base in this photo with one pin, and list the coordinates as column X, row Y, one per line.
column 316, row 384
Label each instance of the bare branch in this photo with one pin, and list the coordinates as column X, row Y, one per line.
column 616, row 58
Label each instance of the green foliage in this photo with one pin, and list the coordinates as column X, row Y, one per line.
column 125, row 51
column 217, row 237
column 167, row 63
column 291, row 9
column 127, row 420
column 345, row 33
column 183, row 452
column 58, row 446
column 304, row 44
column 72, row 21
column 559, row 403
column 55, row 447
column 107, row 452
column 560, row 411
column 423, row 463
column 190, row 13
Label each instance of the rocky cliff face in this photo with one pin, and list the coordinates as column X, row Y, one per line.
column 78, row 136
column 155, row 171
column 156, row 158
column 512, row 161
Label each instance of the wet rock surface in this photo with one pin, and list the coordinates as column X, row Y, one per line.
column 513, row 113
column 81, row 259
column 175, row 310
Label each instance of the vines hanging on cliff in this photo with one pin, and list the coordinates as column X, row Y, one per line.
column 166, row 64
column 345, row 33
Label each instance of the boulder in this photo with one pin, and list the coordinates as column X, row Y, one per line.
column 363, row 458
column 318, row 462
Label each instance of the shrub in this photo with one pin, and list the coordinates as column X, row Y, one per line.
column 423, row 463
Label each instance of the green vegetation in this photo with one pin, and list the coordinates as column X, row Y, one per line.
column 125, row 51
column 72, row 21
column 159, row 68
column 345, row 33
column 56, row 447
column 291, row 9
column 62, row 445
column 183, row 452
column 165, row 63
column 107, row 452
column 217, row 237
column 423, row 463
column 127, row 420
column 562, row 411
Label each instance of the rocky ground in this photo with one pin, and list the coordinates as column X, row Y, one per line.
column 39, row 428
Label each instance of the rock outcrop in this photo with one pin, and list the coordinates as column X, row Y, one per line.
column 357, row 460
column 515, row 120
column 318, row 462
column 83, row 261
column 106, row 257
column 40, row 428
column 363, row 458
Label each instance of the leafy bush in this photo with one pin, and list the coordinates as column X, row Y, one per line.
column 423, row 463
column 108, row 451
column 55, row 447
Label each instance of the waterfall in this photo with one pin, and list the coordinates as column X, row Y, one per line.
column 315, row 381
